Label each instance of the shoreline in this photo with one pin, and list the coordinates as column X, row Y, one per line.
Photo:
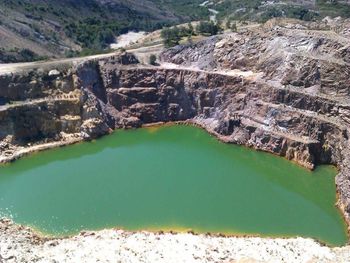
column 77, row 138
column 4, row 160
column 22, row 244
column 162, row 231
column 278, row 112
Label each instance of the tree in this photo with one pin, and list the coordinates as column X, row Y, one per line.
column 228, row 24
column 171, row 36
column 153, row 60
column 219, row 24
column 106, row 37
column 208, row 28
column 233, row 27
column 27, row 55
column 190, row 29
column 183, row 31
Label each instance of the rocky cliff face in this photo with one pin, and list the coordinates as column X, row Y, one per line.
column 283, row 90
column 295, row 98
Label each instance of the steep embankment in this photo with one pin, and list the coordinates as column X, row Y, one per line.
column 280, row 88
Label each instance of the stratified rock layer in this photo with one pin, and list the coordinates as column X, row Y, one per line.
column 281, row 89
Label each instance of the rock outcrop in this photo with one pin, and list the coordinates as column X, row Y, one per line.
column 295, row 97
column 282, row 89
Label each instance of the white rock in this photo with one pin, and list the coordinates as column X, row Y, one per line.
column 54, row 73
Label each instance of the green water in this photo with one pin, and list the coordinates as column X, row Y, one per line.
column 166, row 178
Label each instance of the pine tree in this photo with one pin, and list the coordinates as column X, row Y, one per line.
column 233, row 27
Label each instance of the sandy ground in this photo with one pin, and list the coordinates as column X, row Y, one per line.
column 8, row 68
column 127, row 39
column 142, row 53
column 19, row 244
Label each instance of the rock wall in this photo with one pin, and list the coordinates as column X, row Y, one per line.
column 253, row 88
column 297, row 104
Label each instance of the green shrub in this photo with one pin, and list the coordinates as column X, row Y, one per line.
column 171, row 36
column 27, row 54
column 233, row 27
column 153, row 60
column 208, row 28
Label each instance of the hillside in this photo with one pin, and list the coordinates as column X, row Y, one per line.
column 300, row 9
column 35, row 29
column 39, row 29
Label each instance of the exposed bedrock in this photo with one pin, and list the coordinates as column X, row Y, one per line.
column 260, row 89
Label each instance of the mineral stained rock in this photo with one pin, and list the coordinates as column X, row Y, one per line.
column 280, row 88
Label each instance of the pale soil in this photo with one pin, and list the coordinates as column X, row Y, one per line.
column 19, row 244
column 18, row 67
column 128, row 39
column 235, row 72
column 142, row 53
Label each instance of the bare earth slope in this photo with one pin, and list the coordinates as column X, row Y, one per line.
column 281, row 88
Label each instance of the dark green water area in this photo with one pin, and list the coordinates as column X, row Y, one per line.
column 170, row 178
